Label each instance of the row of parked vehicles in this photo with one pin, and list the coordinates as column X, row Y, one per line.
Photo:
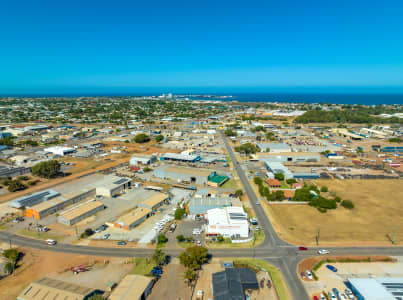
column 161, row 224
column 334, row 294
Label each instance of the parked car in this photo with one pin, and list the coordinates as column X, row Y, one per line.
column 332, row 296
column 106, row 236
column 51, row 242
column 349, row 293
column 121, row 243
column 335, row 291
column 323, row 251
column 302, row 248
column 308, row 274
column 303, row 275
column 45, row 229
column 343, row 297
column 331, row 268
column 315, row 298
column 322, row 297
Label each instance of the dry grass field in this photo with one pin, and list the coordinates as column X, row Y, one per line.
column 378, row 212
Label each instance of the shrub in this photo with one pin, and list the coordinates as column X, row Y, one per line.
column 180, row 238
column 31, row 182
column 279, row 176
column 16, row 185
column 220, row 238
column 338, row 199
column 347, row 204
column 324, row 189
column 159, row 138
column 141, row 138
column 238, row 193
column 22, row 177
column 161, row 239
column 258, row 180
column 290, row 181
column 179, row 213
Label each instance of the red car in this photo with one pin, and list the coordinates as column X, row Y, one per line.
column 303, row 248
column 315, row 298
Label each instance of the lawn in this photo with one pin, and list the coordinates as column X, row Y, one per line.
column 40, row 235
column 284, row 185
column 142, row 266
column 377, row 213
column 275, row 274
column 230, row 184
column 185, row 244
column 227, row 244
column 4, row 226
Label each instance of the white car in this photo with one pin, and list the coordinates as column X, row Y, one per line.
column 308, row 274
column 343, row 297
column 332, row 296
column 51, row 242
column 322, row 297
column 323, row 251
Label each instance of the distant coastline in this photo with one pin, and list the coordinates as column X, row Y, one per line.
column 335, row 98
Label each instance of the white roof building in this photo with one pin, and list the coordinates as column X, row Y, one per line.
column 60, row 150
column 228, row 222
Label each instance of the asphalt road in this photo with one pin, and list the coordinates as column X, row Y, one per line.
column 274, row 250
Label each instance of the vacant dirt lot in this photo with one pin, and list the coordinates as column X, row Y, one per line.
column 37, row 264
column 172, row 285
column 377, row 214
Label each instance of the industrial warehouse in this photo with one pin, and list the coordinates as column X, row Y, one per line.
column 80, row 212
column 112, row 185
column 190, row 175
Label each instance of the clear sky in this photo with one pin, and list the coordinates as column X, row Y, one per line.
column 57, row 46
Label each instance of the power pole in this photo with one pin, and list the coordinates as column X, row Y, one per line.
column 317, row 237
column 394, row 235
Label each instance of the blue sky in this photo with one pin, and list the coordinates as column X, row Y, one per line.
column 58, row 46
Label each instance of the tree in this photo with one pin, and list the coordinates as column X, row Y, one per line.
column 97, row 297
column 290, row 181
column 180, row 237
column 179, row 213
column 159, row 257
column 141, row 138
column 258, row 180
column 238, row 193
column 161, row 239
column 88, row 232
column 11, row 254
column 190, row 274
column 8, row 268
column 16, row 185
column 270, row 136
column 220, row 238
column 279, row 176
column 46, row 169
column 247, row 148
column 159, row 138
column 347, row 204
column 193, row 257
column 229, row 132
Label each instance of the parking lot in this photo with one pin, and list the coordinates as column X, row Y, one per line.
column 329, row 280
column 185, row 228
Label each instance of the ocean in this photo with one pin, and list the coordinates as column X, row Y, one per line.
column 366, row 99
